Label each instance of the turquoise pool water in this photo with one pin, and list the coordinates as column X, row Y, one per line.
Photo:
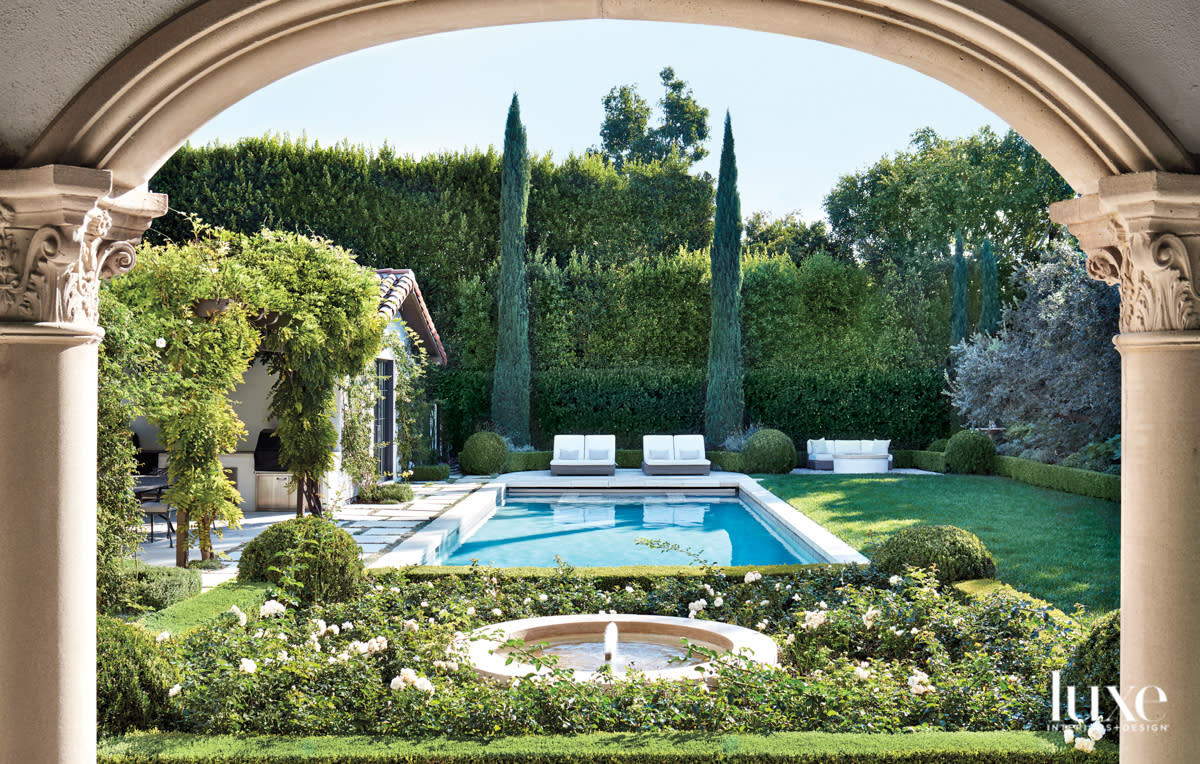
column 602, row 530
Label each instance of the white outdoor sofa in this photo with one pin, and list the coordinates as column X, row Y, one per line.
column 674, row 455
column 584, row 455
column 821, row 452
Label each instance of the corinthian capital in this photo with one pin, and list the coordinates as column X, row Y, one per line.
column 61, row 232
column 1142, row 232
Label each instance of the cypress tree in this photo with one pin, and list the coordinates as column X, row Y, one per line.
column 958, row 304
column 989, row 309
column 724, row 402
column 510, row 379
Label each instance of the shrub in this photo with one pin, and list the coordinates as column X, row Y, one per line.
column 932, row 461
column 769, row 451
column 730, row 461
column 523, row 461
column 970, row 452
column 386, row 493
column 309, row 557
column 938, row 445
column 132, row 677
column 423, row 473
column 958, row 554
column 1096, row 661
column 483, row 454
column 155, row 588
column 1058, row 478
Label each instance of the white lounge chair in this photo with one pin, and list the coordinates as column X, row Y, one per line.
column 584, row 455
column 674, row 455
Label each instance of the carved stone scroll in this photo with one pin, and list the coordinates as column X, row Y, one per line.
column 61, row 232
column 1142, row 233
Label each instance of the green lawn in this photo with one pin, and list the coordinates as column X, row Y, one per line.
column 1058, row 546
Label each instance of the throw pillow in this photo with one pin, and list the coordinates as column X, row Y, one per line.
column 598, row 455
column 568, row 454
column 659, row 454
column 689, row 454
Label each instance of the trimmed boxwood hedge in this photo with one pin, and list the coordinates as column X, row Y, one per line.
column 1067, row 479
column 609, row 748
column 905, row 405
column 931, row 461
column 424, row 473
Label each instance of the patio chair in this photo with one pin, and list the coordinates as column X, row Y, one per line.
column 584, row 455
column 674, row 455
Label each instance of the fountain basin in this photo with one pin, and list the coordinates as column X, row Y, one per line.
column 644, row 643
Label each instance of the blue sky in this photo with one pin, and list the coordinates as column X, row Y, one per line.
column 804, row 113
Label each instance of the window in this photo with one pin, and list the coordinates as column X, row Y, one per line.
column 385, row 419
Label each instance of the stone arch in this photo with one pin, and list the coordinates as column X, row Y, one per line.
column 132, row 116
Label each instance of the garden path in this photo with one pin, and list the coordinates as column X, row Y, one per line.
column 377, row 528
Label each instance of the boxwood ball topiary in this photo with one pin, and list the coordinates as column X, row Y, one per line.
column 132, row 677
column 938, row 445
column 321, row 557
column 483, row 454
column 958, row 555
column 768, row 451
column 971, row 453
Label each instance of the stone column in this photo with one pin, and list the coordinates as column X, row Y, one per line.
column 1142, row 232
column 60, row 233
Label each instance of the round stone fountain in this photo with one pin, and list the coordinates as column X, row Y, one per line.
column 651, row 644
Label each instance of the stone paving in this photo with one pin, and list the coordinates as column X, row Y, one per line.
column 378, row 528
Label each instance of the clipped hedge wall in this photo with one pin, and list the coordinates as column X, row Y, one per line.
column 424, row 473
column 1067, row 479
column 522, row 461
column 610, row 748
column 730, row 461
column 905, row 405
column 932, row 461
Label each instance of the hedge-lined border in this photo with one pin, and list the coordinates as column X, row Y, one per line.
column 1097, row 485
column 608, row 748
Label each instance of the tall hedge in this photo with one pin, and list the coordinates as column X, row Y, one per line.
column 510, row 376
column 436, row 214
column 724, row 404
column 904, row 405
column 989, row 290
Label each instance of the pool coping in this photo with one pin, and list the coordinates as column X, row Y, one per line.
column 463, row 518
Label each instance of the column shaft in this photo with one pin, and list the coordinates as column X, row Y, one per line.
column 47, row 544
column 1160, row 541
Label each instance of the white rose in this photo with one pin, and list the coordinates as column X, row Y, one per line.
column 1087, row 745
column 1096, row 730
column 249, row 666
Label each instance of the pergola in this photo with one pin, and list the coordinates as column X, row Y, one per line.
column 98, row 93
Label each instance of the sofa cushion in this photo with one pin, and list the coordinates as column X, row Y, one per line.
column 818, row 446
column 880, row 446
column 847, row 447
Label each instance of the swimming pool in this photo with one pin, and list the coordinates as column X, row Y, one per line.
column 601, row 529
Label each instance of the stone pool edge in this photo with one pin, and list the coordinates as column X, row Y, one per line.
column 462, row 519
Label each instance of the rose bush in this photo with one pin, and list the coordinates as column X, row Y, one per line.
column 860, row 651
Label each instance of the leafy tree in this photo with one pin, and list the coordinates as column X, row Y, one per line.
column 724, row 404
column 332, row 328
column 1050, row 375
column 624, row 131
column 989, row 311
column 510, row 381
column 958, row 306
column 200, row 355
column 903, row 207
column 625, row 135
column 790, row 235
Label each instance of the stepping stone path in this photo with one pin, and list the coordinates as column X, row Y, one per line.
column 377, row 528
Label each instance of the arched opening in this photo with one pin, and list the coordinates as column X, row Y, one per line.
column 136, row 112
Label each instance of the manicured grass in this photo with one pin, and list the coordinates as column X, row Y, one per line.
column 639, row 748
column 1057, row 546
column 195, row 611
